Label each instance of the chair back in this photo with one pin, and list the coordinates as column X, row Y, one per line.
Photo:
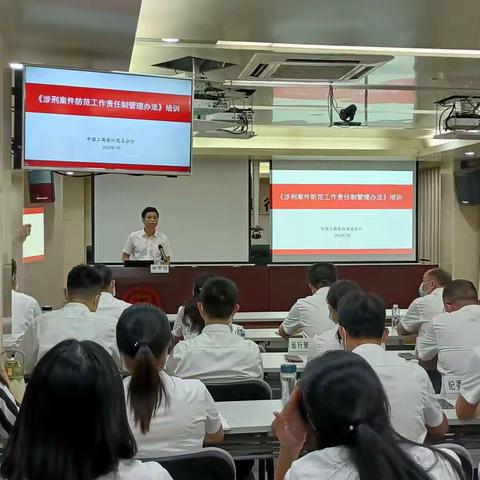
column 207, row 464
column 250, row 389
column 464, row 455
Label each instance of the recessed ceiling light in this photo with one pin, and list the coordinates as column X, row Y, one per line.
column 16, row 66
column 70, row 173
column 170, row 40
column 469, row 154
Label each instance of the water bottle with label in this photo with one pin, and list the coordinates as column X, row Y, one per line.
column 395, row 316
column 288, row 378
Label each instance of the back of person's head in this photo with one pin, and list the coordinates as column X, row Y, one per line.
column 191, row 312
column 148, row 210
column 84, row 283
column 219, row 298
column 362, row 315
column 73, row 421
column 344, row 403
column 439, row 277
column 337, row 291
column 459, row 293
column 106, row 274
column 321, row 274
column 143, row 337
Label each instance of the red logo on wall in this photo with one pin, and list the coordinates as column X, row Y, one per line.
column 142, row 294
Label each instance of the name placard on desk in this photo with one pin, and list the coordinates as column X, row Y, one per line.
column 160, row 268
column 298, row 345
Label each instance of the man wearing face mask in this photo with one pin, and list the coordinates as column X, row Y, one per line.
column 414, row 409
column 76, row 319
column 421, row 311
column 108, row 304
column 454, row 334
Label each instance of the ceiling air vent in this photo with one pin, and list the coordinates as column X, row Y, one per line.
column 314, row 68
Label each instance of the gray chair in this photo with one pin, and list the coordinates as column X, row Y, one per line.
column 249, row 389
column 464, row 455
column 207, row 464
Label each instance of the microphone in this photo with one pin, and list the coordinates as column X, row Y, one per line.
column 162, row 253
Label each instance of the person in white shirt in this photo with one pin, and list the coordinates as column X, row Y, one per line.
column 108, row 304
column 189, row 322
column 340, row 402
column 469, row 397
column 217, row 354
column 148, row 243
column 76, row 319
column 414, row 408
column 167, row 415
column 25, row 309
column 454, row 334
column 330, row 340
column 73, row 422
column 421, row 311
column 310, row 315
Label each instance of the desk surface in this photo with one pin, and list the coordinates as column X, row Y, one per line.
column 257, row 416
column 272, row 361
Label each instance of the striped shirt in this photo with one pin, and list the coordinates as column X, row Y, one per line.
column 8, row 411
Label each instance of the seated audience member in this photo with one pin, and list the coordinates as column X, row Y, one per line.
column 414, row 408
column 310, row 315
column 469, row 397
column 189, row 323
column 217, row 354
column 454, row 333
column 24, row 308
column 108, row 304
column 341, row 403
column 77, row 319
column 168, row 415
column 330, row 340
column 421, row 311
column 73, row 422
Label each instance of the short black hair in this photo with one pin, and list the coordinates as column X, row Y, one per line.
column 14, row 268
column 322, row 274
column 73, row 421
column 340, row 289
column 219, row 297
column 106, row 274
column 441, row 276
column 149, row 210
column 84, row 281
column 362, row 315
column 460, row 290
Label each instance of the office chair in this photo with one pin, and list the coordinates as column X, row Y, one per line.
column 207, row 464
column 464, row 455
column 249, row 389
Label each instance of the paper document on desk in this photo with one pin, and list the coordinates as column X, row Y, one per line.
column 225, row 424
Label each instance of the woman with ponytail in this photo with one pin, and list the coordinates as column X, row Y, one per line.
column 168, row 415
column 341, row 403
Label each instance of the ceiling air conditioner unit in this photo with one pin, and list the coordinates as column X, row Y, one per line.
column 278, row 67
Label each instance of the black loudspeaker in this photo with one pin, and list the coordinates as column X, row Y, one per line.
column 41, row 186
column 468, row 187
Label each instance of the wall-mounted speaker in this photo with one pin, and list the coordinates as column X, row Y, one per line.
column 468, row 187
column 41, row 186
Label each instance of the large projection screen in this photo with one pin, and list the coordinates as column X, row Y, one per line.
column 343, row 210
column 205, row 216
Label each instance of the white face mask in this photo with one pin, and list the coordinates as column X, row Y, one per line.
column 114, row 291
column 421, row 291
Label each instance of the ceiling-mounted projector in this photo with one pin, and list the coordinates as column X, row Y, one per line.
column 458, row 117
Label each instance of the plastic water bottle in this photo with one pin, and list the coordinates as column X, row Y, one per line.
column 395, row 316
column 288, row 378
column 241, row 332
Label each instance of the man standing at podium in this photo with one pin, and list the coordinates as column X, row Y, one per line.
column 148, row 243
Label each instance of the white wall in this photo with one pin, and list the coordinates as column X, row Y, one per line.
column 205, row 215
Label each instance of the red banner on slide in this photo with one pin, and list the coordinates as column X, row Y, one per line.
column 103, row 102
column 343, row 251
column 332, row 197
